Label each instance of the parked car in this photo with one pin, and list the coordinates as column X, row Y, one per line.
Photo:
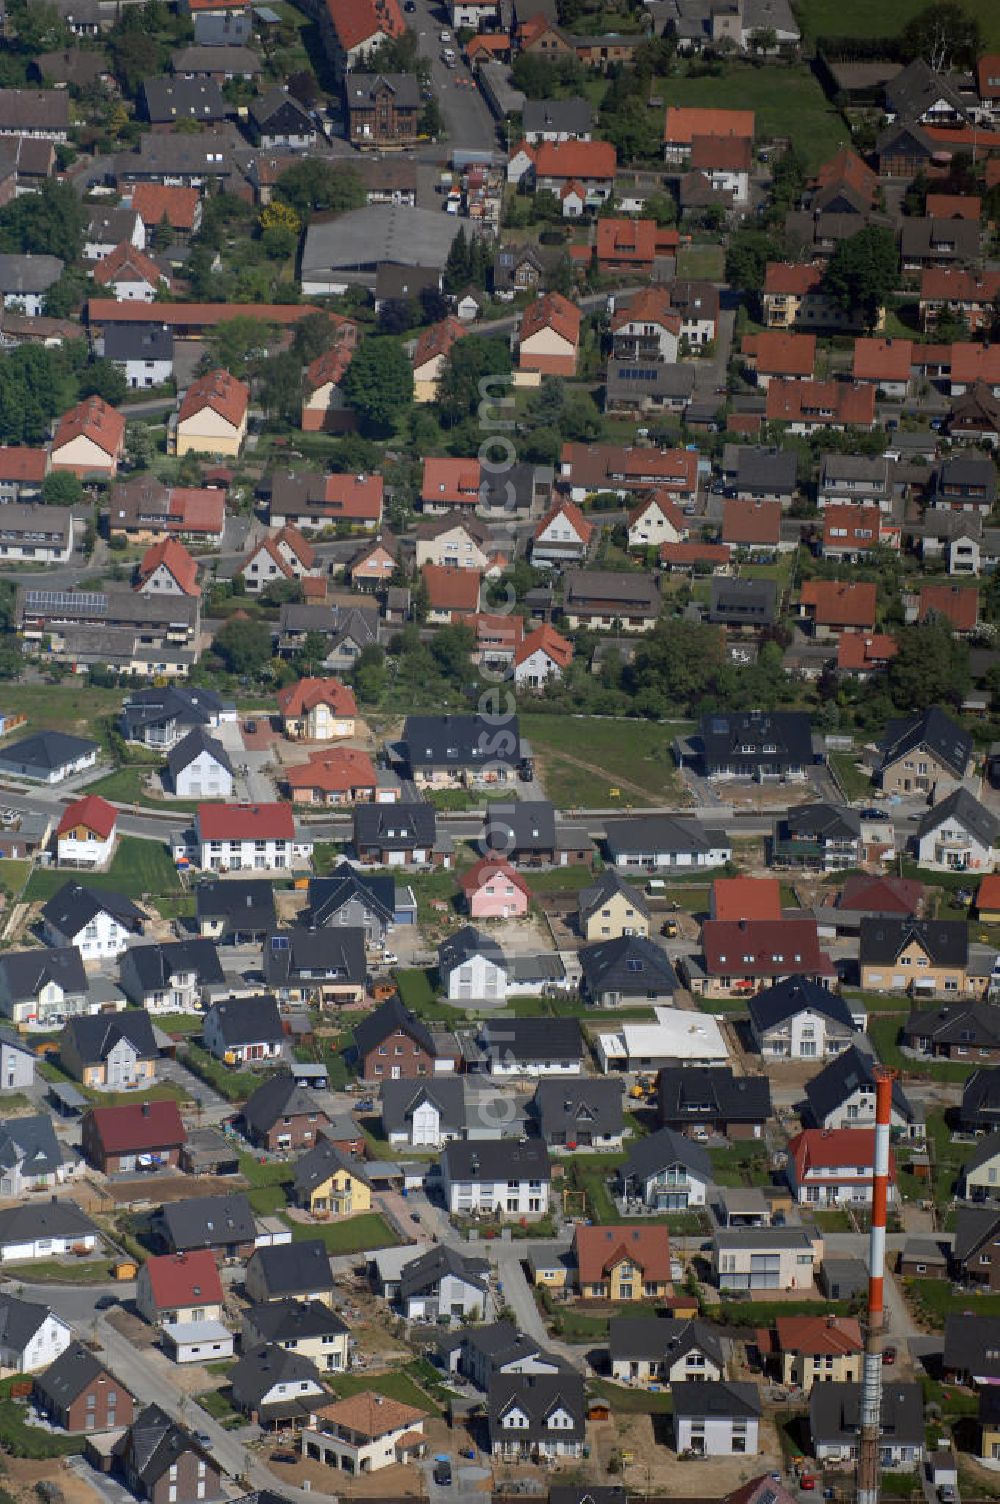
column 442, row 1472
column 888, row 1356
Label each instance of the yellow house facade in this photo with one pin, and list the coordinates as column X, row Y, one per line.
column 212, row 418
column 615, row 916
column 914, row 966
column 341, row 1194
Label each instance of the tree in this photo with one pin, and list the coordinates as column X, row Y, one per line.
column 35, row 385
column 103, row 378
column 379, row 382
column 65, row 296
column 139, row 445
column 863, row 271
column 244, row 646
column 163, row 233
column 397, row 315
column 278, row 215
column 280, row 386
column 434, row 306
column 763, row 39
column 661, row 207
column 50, row 222
column 931, row 666
column 313, row 652
column 747, row 256
column 945, row 35
column 61, row 488
column 431, row 121
column 313, row 185
column 313, row 336
column 369, row 676
column 38, row 27
column 135, row 56
column 237, row 344
column 469, row 363
column 303, row 87
column 457, row 266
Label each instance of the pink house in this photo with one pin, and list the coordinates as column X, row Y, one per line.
column 493, row 890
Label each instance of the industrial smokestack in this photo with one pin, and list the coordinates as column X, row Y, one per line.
column 871, row 1380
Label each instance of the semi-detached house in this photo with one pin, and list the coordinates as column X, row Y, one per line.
column 255, row 837
column 504, row 1179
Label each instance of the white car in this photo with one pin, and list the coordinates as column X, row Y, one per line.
column 450, row 60
column 389, row 958
column 444, row 36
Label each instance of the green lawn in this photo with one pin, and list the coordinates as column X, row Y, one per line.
column 234, row 1085
column 21, row 1440
column 127, row 785
column 702, row 262
column 398, row 1385
column 267, row 1182
column 217, row 1404
column 353, row 1235
column 786, row 101
column 138, row 867
column 582, row 758
column 71, row 706
column 857, row 18
column 884, row 1035
column 935, row 1300
column 855, row 783
column 62, row 1272
column 633, row 1401
column 14, row 875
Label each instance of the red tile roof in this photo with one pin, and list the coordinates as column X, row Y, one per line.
column 882, row 359
column 721, row 153
column 988, row 896
column 437, row 340
column 839, row 1336
column 577, row 521
column 330, row 368
column 736, row 898
column 848, row 168
column 356, row 21
column 197, row 509
column 754, row 949
column 450, row 481
column 18, row 462
column 546, row 639
column 298, row 699
column 858, row 650
column 138, row 1127
column 186, row 315
column 184, row 1279
column 338, row 771
column 988, row 75
column 953, row 285
column 775, row 353
column 151, row 201
column 574, row 159
column 666, row 505
column 792, row 278
column 552, row 311
column 746, row 522
column 881, row 895
column 599, row 1249
column 246, row 822
column 92, row 811
column 851, row 525
column 690, row 553
column 840, row 603
column 953, row 206
column 958, row 603
column 219, row 390
column 128, row 264
column 452, row 589
column 293, row 539
column 971, row 363
column 827, row 1150
column 95, row 420
column 628, row 239
column 176, row 560
column 356, row 498
column 819, row 402
column 650, row 306
column 479, row 874
column 684, row 122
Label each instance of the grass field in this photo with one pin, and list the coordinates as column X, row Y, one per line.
column 633, row 1401
column 935, row 1300
column 127, row 785
column 857, row 18
column 701, row 262
column 72, row 706
column 21, row 1440
column 395, row 1386
column 14, row 875
column 354, row 1235
column 786, row 101
column 582, row 758
column 63, row 1272
column 138, row 867
column 234, row 1085
column 855, row 783
column 884, row 1035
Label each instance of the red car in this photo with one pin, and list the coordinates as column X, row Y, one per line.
column 807, row 1482
column 888, row 1356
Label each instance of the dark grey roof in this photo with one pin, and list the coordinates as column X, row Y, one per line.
column 935, row 731
column 981, row 1096
column 665, row 1147
column 138, row 342
column 835, row 1413
column 829, row 822
column 663, row 1337
column 45, row 751
column 653, row 378
column 761, row 1239
column 914, row 90
column 608, row 884
column 171, row 99
column 192, row 745
column 278, row 1097
column 154, row 1443
column 463, row 945
column 863, row 467
column 336, row 954
column 207, row 1222
column 496, row 1159
column 574, row 116
column 946, row 941
column 155, row 965
column 69, row 1375
column 20, row 1320
column 972, row 1344
column 42, row 1219
column 246, row 1020
column 717, row 1401
column 630, row 965
column 532, row 1038
column 260, row 1369
column 523, row 825
column 400, row 1099
column 774, row 1005
column 395, row 827
column 692, row 1094
column 770, row 739
column 95, row 1035
column 244, row 904
column 30, row 274
column 294, row 1268
column 967, row 811
column 461, row 741
column 736, row 601
column 842, row 1077
column 987, row 1148
column 293, row 1320
column 974, row 1226
column 972, row 1025
column 23, row 973
column 537, row 1396
column 388, row 1019
column 426, row 1271
column 327, row 895
column 75, row 905
column 766, row 469
column 579, row 1104
column 960, row 472
column 590, row 589
column 215, row 59
column 322, row 1161
column 172, row 702
column 366, row 88
column 660, row 833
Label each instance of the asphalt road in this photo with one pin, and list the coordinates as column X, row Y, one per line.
column 468, row 122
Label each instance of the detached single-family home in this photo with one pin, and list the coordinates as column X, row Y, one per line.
column 42, row 988
column 166, row 568
column 394, row 1044
column 503, row 1179
column 31, row 1336
column 818, row 1350
column 45, row 1230
column 273, row 1386
column 623, row 1262
column 830, row 1166
column 129, row 275
column 536, row 1415
column 212, row 416
column 716, row 1419
column 443, row 1285
column 630, row 969
column 835, row 1424
column 284, row 556
column 801, row 1020
column 180, row 1287
column 199, row 765
column 842, row 1095
column 549, row 337
column 364, row 1433
column 955, row 1031
column 661, row 1349
column 703, row 1100
column 120, row 1140
column 299, row 1271
column 766, row 1258
column 281, row 1115
column 427, row 1113
column 223, row 1224
column 31, row 1157
column 89, row 440
column 156, row 1457
column 47, row 757
column 586, row 1115
column 959, row 834
column 330, row 1183
column 306, row 1327
column 110, row 1051
column 85, row 836
column 530, row 1047
column 611, row 908
column 241, row 1031
column 317, row 710
column 925, row 754
column 77, row 1393
column 494, row 890
column 237, row 910
column 562, row 537
column 665, row 1171
column 98, row 922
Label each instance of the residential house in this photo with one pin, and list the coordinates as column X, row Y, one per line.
column 502, row 1179
column 835, row 1424
column 31, row 1158
column 716, row 1419
column 795, row 297
column 460, row 750
column 536, row 1415
column 604, row 600
column 297, row 1271
column 144, row 510
column 212, row 416
column 703, row 1100
column 452, row 595
column 954, row 1031
column 77, row 1393
column 395, row 1044
column 621, row 1263
column 658, row 843
column 833, row 607
column 22, row 473
column 666, row 1172
column 530, row 1047
column 45, row 1230
column 683, row 126
column 544, row 654
column 958, row 835
column 965, row 483
column 174, row 1288
column 830, row 1167
column 980, row 1110
column 965, row 294
column 647, row 327
column 273, row 1386
column 34, row 113
column 317, row 710
column 562, row 537
column 357, row 901
column 89, row 440
column 199, row 765
column 842, row 1095
column 364, row 1433
column 17, row 1061
column 481, row 1352
column 626, row 970
column 975, row 1257
column 235, row 910
column 399, row 835
column 979, row 1178
column 655, row 520
column 662, row 1349
column 589, row 166
column 799, row 1019
column 278, row 121
column 766, row 1258
column 427, row 1113
column 927, row 958
column 847, row 479
column 739, row 957
column 156, row 202
column 168, row 569
column 587, row 1115
column 494, row 890
column 449, row 483
column 818, row 1349
column 42, row 987
column 254, row 837
column 956, row 604
column 285, row 555
column 118, row 1140
column 755, row 474
column 430, row 352
column 31, row 1336
column 548, row 337
column 47, row 756
column 223, row 1224
column 442, row 1284
column 129, row 275
column 25, row 282
column 30, row 532
column 756, row 745
column 383, row 109
column 144, row 352
column 281, row 1115
column 316, row 966
column 816, row 406
column 886, row 364
column 174, row 977
column 925, row 754
column 819, row 837
column 97, row 921
column 85, row 835
column 455, row 544
column 158, row 1458
column 527, row 834
column 306, row 1328
column 241, row 1031
column 624, row 470
column 611, row 908
column 110, row 1052
column 329, row 1182
column 168, row 100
